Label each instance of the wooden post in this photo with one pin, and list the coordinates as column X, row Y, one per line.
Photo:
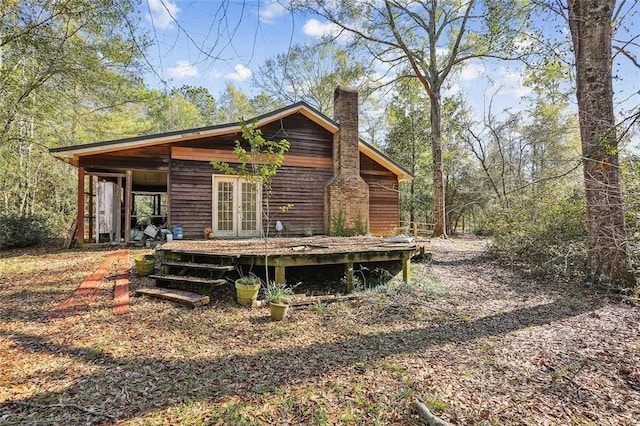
column 80, row 218
column 406, row 268
column 118, row 210
column 90, row 208
column 348, row 272
column 280, row 278
column 169, row 198
column 127, row 207
column 415, row 229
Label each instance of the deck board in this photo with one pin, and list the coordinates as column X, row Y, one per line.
column 183, row 297
column 189, row 279
column 289, row 246
column 208, row 266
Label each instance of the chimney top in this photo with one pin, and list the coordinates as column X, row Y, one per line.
column 345, row 104
column 343, row 89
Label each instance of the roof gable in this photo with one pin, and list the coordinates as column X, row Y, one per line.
column 67, row 153
column 71, row 154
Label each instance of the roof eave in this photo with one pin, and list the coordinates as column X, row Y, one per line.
column 384, row 160
column 71, row 154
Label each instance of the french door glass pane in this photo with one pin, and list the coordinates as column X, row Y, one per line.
column 249, row 207
column 225, row 206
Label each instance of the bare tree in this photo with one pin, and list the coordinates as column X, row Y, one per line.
column 431, row 38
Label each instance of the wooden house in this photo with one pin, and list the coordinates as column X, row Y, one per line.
column 329, row 175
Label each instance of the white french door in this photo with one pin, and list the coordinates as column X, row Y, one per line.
column 236, row 207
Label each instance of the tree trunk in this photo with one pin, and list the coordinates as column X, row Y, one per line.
column 439, row 229
column 591, row 32
column 412, row 200
column 412, row 209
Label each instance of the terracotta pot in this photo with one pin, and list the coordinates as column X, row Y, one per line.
column 278, row 310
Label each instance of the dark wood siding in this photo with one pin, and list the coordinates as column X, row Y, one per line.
column 191, row 190
column 304, row 188
column 384, row 198
column 306, row 137
column 190, row 194
column 301, row 186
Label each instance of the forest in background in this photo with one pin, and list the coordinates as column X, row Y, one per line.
column 71, row 73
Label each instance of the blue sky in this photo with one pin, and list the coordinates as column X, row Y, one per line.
column 192, row 47
column 211, row 42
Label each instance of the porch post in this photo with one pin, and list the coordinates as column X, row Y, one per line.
column 169, row 196
column 80, row 218
column 118, row 210
column 406, row 268
column 280, row 278
column 90, row 208
column 127, row 207
column 348, row 272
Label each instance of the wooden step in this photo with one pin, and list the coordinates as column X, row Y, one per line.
column 183, row 297
column 189, row 279
column 208, row 266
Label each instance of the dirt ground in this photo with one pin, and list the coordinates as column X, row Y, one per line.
column 481, row 343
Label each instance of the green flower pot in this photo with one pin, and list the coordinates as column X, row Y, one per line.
column 278, row 310
column 145, row 264
column 247, row 293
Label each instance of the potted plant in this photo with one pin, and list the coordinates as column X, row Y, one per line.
column 247, row 288
column 145, row 264
column 277, row 295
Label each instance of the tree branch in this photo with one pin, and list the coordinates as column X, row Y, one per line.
column 426, row 414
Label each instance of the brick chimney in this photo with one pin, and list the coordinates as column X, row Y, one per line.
column 346, row 194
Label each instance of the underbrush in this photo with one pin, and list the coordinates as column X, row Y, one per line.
column 422, row 284
column 546, row 232
column 24, row 231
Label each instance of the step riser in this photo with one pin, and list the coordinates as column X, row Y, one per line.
column 194, row 273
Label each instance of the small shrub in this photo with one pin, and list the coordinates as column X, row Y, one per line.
column 357, row 283
column 339, row 224
column 277, row 293
column 360, row 226
column 23, row 231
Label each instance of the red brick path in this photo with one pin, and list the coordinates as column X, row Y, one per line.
column 88, row 290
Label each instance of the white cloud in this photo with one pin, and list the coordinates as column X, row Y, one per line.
column 471, row 72
column 510, row 83
column 442, row 51
column 315, row 28
column 183, row 69
column 215, row 74
column 453, row 90
column 162, row 13
column 270, row 12
column 240, row 73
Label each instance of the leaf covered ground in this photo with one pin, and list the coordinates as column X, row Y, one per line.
column 479, row 342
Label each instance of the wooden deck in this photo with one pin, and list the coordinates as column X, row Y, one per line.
column 287, row 252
